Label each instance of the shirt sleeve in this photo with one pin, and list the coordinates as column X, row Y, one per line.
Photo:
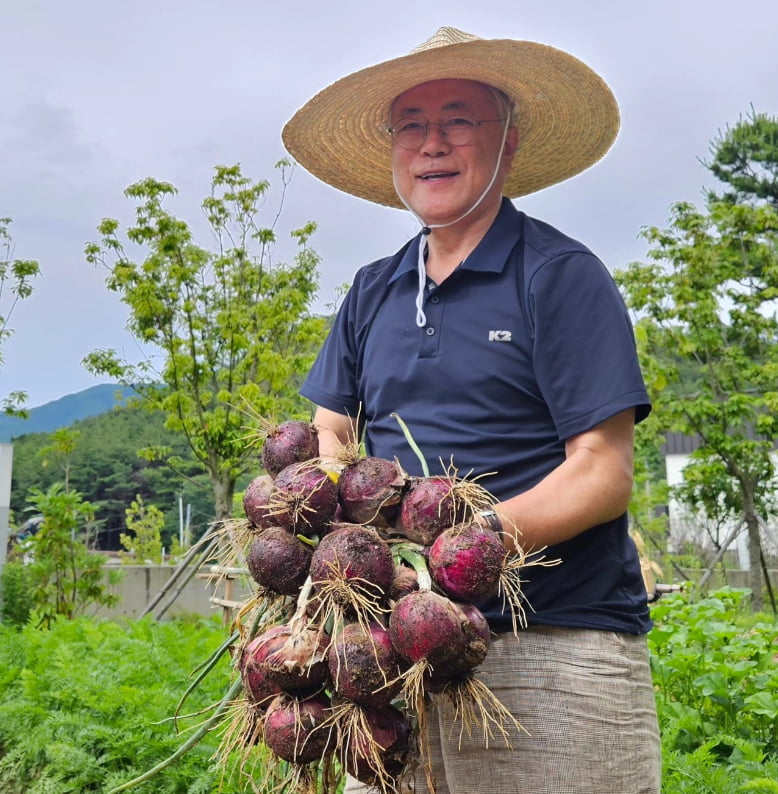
column 332, row 380
column 584, row 351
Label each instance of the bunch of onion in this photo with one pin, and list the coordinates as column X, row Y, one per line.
column 432, row 642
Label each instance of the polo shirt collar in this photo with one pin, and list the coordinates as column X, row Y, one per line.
column 489, row 256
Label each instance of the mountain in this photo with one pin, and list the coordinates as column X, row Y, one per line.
column 64, row 411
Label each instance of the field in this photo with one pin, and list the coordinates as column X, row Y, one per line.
column 86, row 705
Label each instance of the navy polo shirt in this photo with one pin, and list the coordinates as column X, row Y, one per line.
column 526, row 344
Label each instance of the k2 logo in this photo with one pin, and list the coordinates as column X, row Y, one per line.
column 499, row 336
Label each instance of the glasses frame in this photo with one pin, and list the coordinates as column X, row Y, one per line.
column 394, row 133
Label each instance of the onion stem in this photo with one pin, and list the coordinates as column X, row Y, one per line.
column 412, row 444
column 417, row 561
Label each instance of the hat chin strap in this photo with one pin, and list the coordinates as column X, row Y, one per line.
column 426, row 229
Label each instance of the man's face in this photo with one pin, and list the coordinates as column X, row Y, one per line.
column 441, row 181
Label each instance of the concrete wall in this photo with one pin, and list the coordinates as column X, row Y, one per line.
column 141, row 583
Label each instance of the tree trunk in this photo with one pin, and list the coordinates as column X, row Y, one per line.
column 754, row 551
column 223, row 491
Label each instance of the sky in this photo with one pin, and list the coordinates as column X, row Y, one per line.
column 95, row 96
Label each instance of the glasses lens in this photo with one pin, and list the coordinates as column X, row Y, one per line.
column 409, row 134
column 458, row 131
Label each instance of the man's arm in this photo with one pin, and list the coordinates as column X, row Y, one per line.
column 592, row 486
column 335, row 431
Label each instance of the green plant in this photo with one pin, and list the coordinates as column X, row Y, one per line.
column 233, row 326
column 146, row 522
column 701, row 771
column 16, row 593
column 66, row 577
column 715, row 675
column 87, row 705
column 16, row 277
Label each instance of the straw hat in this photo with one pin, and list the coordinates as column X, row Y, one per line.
column 567, row 117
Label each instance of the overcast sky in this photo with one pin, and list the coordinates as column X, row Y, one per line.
column 96, row 95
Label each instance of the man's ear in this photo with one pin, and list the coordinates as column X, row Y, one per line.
column 511, row 143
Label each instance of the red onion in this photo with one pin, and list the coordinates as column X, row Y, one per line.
column 279, row 561
column 305, row 499
column 429, row 507
column 296, row 730
column 430, row 627
column 294, row 660
column 466, row 562
column 370, row 490
column 292, row 441
column 364, row 666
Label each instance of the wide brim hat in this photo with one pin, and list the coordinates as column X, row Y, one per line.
column 566, row 115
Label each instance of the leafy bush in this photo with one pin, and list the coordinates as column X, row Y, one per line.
column 85, row 706
column 67, row 579
column 146, row 522
column 15, row 593
column 716, row 683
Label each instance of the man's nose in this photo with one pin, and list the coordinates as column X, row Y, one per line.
column 435, row 141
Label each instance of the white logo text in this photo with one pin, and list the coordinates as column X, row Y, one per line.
column 499, row 336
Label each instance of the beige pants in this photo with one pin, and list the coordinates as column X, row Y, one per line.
column 587, row 702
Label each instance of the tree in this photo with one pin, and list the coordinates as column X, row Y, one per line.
column 145, row 522
column 16, row 277
column 106, row 469
column 709, row 298
column 234, row 328
column 745, row 159
column 66, row 578
column 60, row 452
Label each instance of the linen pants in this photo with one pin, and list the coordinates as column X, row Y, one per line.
column 586, row 701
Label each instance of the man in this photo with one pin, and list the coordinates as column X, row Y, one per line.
column 505, row 347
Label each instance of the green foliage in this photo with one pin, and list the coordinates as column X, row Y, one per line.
column 707, row 334
column 67, row 579
column 107, row 470
column 717, row 692
column 649, row 490
column 745, row 159
column 702, row 772
column 16, row 277
column 234, row 327
column 145, row 544
column 60, row 451
column 16, row 589
column 85, row 706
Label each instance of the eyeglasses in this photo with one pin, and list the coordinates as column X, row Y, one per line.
column 458, row 131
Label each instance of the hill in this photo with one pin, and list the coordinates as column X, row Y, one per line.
column 64, row 411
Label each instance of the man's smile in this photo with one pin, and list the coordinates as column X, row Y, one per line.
column 433, row 175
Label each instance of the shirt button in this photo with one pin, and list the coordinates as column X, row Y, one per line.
column 430, row 332
column 435, row 299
